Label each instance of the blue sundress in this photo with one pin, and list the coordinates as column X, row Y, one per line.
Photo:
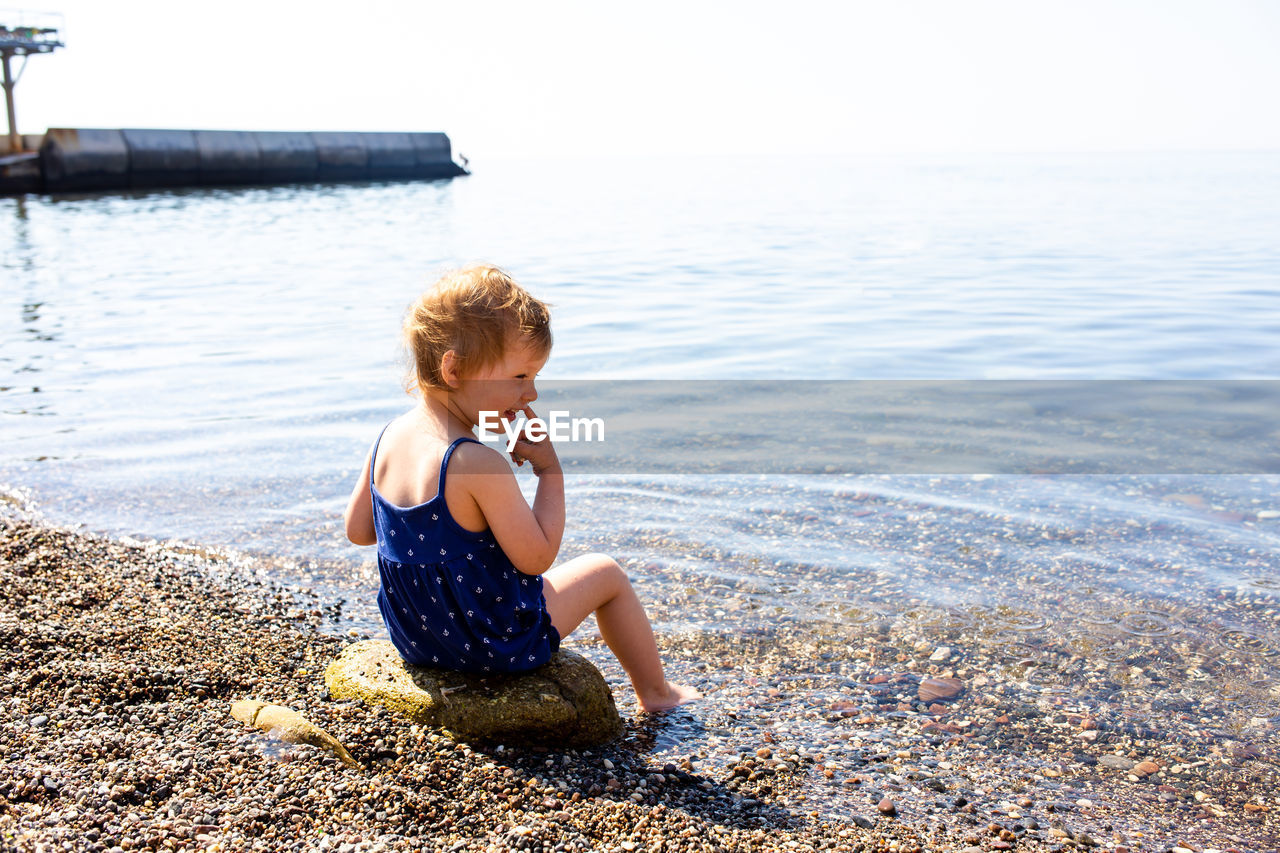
column 450, row 597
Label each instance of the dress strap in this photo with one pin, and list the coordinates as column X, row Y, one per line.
column 373, row 457
column 444, row 463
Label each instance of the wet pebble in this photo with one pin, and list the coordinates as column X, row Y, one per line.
column 1116, row 762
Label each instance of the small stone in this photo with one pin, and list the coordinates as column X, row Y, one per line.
column 1145, row 768
column 940, row 654
column 939, row 689
column 39, row 720
column 886, row 807
column 864, row 822
column 1115, row 762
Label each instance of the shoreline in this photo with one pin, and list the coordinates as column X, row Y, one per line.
column 121, row 661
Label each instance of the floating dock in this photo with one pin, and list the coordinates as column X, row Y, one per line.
column 75, row 160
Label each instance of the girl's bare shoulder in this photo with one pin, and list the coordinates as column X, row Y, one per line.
column 472, row 458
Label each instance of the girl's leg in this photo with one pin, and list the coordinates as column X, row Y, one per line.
column 596, row 583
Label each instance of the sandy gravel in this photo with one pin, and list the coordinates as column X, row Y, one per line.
column 120, row 661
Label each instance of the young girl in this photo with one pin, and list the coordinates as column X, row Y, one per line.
column 465, row 562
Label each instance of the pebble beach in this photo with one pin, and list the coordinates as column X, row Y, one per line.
column 121, row 660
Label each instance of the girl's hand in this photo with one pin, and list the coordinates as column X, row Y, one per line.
column 540, row 452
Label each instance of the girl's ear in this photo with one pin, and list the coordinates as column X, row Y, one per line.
column 449, row 368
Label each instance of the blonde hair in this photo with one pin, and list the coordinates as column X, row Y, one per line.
column 476, row 311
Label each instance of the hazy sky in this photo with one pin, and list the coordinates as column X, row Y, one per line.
column 698, row 76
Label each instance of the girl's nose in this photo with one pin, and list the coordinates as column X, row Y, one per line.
column 530, row 393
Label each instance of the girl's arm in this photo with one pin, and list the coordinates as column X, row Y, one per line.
column 358, row 517
column 529, row 536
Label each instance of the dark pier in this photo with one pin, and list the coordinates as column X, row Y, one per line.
column 74, row 160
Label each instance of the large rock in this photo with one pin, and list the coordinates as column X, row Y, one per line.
column 565, row 703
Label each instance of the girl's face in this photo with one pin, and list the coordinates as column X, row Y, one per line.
column 505, row 387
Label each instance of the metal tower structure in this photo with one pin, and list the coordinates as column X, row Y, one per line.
column 22, row 34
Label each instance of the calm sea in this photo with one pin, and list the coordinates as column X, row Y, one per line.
column 212, row 365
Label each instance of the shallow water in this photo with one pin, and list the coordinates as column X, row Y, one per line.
column 212, row 366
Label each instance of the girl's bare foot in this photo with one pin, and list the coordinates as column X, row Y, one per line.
column 673, row 695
